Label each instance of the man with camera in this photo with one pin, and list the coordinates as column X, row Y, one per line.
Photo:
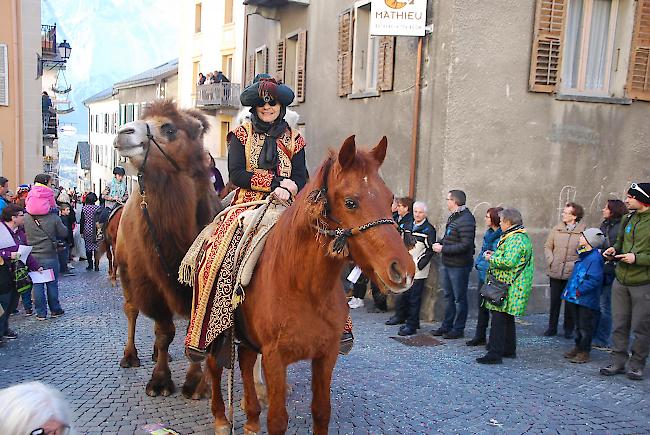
column 631, row 289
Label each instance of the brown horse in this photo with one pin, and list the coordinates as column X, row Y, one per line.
column 295, row 307
column 177, row 195
column 107, row 246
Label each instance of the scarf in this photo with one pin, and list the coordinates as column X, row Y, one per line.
column 272, row 130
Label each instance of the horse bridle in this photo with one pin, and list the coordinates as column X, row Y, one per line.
column 339, row 234
column 143, row 203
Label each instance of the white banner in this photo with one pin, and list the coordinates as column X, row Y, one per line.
column 399, row 18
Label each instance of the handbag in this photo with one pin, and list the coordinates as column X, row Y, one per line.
column 495, row 291
column 21, row 277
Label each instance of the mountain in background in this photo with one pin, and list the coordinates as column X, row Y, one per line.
column 111, row 40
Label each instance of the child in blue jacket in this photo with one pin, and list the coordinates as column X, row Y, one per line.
column 583, row 290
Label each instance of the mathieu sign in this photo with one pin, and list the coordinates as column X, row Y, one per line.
column 399, row 18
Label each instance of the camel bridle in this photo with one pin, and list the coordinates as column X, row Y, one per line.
column 340, row 234
column 144, row 205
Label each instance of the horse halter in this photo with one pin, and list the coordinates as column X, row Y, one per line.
column 340, row 235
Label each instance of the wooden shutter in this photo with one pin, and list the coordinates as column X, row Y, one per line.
column 638, row 82
column 344, row 61
column 250, row 69
column 546, row 57
column 301, row 65
column 280, row 54
column 385, row 64
column 4, row 76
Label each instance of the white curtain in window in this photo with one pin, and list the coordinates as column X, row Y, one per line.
column 595, row 73
column 571, row 55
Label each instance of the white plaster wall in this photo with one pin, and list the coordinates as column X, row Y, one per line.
column 103, row 172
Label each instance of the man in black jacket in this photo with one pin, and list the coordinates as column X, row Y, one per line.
column 457, row 248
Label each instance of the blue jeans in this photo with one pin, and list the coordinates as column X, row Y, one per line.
column 63, row 256
column 454, row 284
column 52, row 289
column 604, row 321
column 27, row 300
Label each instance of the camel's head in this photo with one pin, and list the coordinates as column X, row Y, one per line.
column 179, row 133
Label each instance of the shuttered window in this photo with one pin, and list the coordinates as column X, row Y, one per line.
column 385, row 65
column 344, row 53
column 261, row 60
column 250, row 69
column 301, row 66
column 547, row 45
column 280, row 52
column 4, row 76
column 638, row 83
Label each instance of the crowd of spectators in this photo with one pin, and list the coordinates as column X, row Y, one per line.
column 601, row 275
column 212, row 78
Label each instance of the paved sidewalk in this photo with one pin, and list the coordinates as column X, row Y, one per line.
column 382, row 387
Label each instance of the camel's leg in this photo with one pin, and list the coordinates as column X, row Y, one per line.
column 221, row 423
column 247, row 359
column 130, row 358
column 321, row 372
column 196, row 386
column 161, row 383
column 275, row 374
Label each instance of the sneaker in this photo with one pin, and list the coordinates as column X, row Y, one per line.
column 612, row 370
column 70, row 266
column 406, row 330
column 39, row 317
column 346, row 343
column 57, row 313
column 635, row 374
column 570, row 354
column 580, row 358
column 355, row 303
column 10, row 335
column 452, row 335
column 489, row 359
column 29, row 312
column 394, row 320
column 439, row 332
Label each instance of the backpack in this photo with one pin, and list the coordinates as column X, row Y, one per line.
column 22, row 278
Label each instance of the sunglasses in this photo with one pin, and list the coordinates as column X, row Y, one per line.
column 635, row 186
column 271, row 103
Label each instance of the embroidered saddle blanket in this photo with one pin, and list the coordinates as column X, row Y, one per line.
column 220, row 264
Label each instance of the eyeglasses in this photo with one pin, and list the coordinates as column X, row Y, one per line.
column 271, row 103
column 635, row 186
column 64, row 429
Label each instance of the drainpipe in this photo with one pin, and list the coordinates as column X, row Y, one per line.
column 17, row 94
column 416, row 120
column 245, row 53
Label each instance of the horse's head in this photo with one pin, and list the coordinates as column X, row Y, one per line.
column 354, row 197
column 168, row 137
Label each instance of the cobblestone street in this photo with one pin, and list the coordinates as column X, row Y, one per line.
column 383, row 386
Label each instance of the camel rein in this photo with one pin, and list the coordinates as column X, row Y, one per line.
column 145, row 210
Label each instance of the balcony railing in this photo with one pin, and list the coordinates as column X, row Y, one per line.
column 50, row 125
column 48, row 40
column 218, row 94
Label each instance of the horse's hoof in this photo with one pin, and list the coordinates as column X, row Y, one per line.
column 222, row 429
column 160, row 387
column 129, row 361
column 196, row 392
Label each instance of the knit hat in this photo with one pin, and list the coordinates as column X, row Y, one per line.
column 264, row 89
column 640, row 192
column 594, row 237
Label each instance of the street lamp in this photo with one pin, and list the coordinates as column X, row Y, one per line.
column 65, row 49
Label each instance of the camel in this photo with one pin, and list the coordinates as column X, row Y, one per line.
column 107, row 246
column 165, row 146
column 295, row 306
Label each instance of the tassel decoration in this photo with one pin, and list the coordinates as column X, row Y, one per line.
column 238, row 296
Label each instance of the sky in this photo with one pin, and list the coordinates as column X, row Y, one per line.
column 111, row 40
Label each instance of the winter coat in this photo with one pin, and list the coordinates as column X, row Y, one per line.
column 610, row 228
column 513, row 250
column 424, row 235
column 560, row 250
column 43, row 238
column 586, row 282
column 40, row 200
column 405, row 223
column 458, row 242
column 20, row 239
column 490, row 242
column 634, row 237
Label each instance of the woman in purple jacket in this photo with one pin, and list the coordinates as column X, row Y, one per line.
column 12, row 225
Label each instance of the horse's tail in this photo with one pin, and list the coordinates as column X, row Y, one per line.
column 102, row 248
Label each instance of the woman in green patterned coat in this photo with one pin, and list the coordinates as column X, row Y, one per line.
column 512, row 262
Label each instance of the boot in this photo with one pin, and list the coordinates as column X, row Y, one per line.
column 573, row 352
column 580, row 358
column 89, row 257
